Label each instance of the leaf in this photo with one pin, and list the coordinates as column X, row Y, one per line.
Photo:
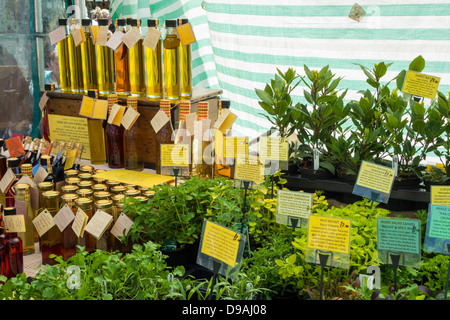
column 327, row 165
column 308, row 97
column 264, row 96
column 418, row 64
column 418, row 125
column 380, row 70
column 400, row 79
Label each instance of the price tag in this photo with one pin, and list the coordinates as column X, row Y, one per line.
column 7, row 180
column 43, row 222
column 420, row 84
column 98, row 224
column 186, row 34
column 14, row 223
column 57, row 35
column 102, row 36
column 115, row 117
column 131, row 37
column 78, row 35
column 225, row 121
column 79, row 222
column 87, row 106
column 43, row 101
column 40, row 175
column 152, row 38
column 129, row 118
column 122, row 226
column 116, row 40
column 191, row 118
column 63, row 218
column 15, row 146
column 100, row 109
column 159, row 120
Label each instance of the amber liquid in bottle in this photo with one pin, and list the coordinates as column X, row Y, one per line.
column 104, row 64
column 153, row 66
column 86, row 204
column 2, row 244
column 171, row 53
column 69, row 239
column 114, row 140
column 23, row 194
column 185, row 68
column 13, row 261
column 136, row 59
column 163, row 136
column 104, row 243
column 51, row 240
column 13, row 164
column 75, row 71
column 121, row 64
column 63, row 59
column 89, row 70
column 132, row 142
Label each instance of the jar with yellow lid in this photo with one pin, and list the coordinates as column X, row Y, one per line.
column 99, row 171
column 51, row 240
column 69, row 189
column 102, row 195
column 70, row 173
column 142, row 199
column 87, row 240
column 132, row 193
column 118, row 189
column 73, row 180
column 68, row 237
column 85, row 176
column 98, row 180
column 149, row 194
column 106, row 242
column 99, row 187
column 22, row 193
column 143, row 189
column 131, row 186
column 86, row 169
column 85, row 184
column 112, row 183
column 85, row 193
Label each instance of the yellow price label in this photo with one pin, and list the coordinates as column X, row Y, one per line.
column 329, row 234
column 376, row 177
column 420, row 84
column 220, row 243
column 174, row 155
column 440, row 195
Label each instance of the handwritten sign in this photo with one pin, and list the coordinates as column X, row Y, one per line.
column 220, row 243
column 15, row 146
column 122, row 226
column 248, row 168
column 79, row 222
column 98, row 224
column 329, row 234
column 43, row 222
column 420, row 84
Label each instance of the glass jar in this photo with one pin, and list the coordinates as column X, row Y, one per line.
column 73, row 181
column 86, row 239
column 69, row 239
column 70, row 173
column 69, row 189
column 98, row 180
column 84, row 176
column 112, row 183
column 132, row 193
column 106, row 242
column 85, row 193
column 118, row 190
column 149, row 193
column 102, row 195
column 85, row 184
column 86, row 169
column 99, row 187
column 51, row 240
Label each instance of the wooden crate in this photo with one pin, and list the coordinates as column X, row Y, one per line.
column 67, row 104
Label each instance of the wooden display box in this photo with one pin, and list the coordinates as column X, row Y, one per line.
column 67, row 104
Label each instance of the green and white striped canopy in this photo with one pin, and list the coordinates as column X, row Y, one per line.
column 240, row 43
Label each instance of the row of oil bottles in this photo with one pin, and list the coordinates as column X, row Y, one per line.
column 162, row 73
column 80, row 189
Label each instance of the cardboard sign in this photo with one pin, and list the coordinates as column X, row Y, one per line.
column 116, row 114
column 15, row 146
column 123, row 224
column 159, row 120
column 420, row 84
column 329, row 234
column 174, row 155
column 220, row 243
column 43, row 222
column 98, row 224
column 57, row 35
column 293, row 204
column 152, row 38
column 63, row 218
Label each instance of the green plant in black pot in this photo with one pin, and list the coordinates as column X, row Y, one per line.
column 321, row 118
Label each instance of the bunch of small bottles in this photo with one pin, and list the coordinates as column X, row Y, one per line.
column 160, row 73
column 80, row 189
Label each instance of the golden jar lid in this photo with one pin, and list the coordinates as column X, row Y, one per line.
column 70, row 173
column 73, row 180
column 99, row 180
column 22, row 186
column 149, row 193
column 111, row 183
column 99, row 170
column 102, row 195
column 86, row 169
column 118, row 198
column 99, row 187
column 83, row 201
column 141, row 198
column 131, row 192
column 69, row 188
column 85, row 176
column 69, row 198
column 85, row 184
column 45, row 185
column 104, row 203
column 50, row 194
column 118, row 189
column 85, row 192
column 131, row 186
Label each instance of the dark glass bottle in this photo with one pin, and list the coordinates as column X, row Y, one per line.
column 114, row 139
column 69, row 239
column 51, row 240
column 3, row 167
column 13, row 250
column 13, row 164
column 164, row 135
column 2, row 242
column 132, row 142
column 46, row 163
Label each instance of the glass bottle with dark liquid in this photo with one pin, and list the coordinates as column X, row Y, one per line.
column 132, row 142
column 164, row 135
column 13, row 263
column 121, row 63
column 69, row 239
column 13, row 164
column 2, row 242
column 114, row 139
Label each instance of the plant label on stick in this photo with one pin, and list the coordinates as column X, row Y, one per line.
column 249, row 168
column 438, row 229
column 293, row 204
column 420, row 84
column 374, row 182
column 440, row 195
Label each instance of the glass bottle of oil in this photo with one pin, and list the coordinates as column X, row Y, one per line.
column 121, row 63
column 97, row 141
column 202, row 148
column 114, row 139
column 89, row 69
column 171, row 61
column 69, row 239
column 85, row 204
column 51, row 240
column 23, row 194
column 185, row 67
column 13, row 263
column 153, row 66
column 223, row 167
column 104, row 64
column 13, row 164
column 76, row 76
column 136, row 59
column 132, row 142
column 2, row 242
column 164, row 135
column 63, row 58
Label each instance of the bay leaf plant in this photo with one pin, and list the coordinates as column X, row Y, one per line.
column 323, row 115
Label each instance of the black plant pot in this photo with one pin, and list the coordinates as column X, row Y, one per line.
column 429, row 183
column 346, row 177
column 311, row 174
column 406, row 183
column 187, row 255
